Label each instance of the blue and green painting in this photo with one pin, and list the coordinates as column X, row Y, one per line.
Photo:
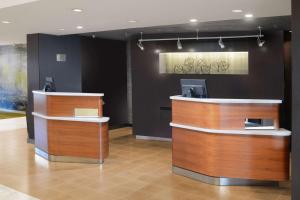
column 13, row 77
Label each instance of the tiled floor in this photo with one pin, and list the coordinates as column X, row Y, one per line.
column 10, row 194
column 12, row 124
column 135, row 169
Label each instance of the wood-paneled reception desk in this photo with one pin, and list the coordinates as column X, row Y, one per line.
column 214, row 142
column 69, row 127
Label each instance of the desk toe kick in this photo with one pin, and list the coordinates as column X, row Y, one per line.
column 220, row 181
column 67, row 159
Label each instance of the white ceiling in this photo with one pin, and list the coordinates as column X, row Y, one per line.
column 48, row 16
column 9, row 3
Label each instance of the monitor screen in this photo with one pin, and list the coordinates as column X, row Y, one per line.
column 49, row 85
column 195, row 88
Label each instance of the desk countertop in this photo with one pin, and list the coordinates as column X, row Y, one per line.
column 280, row 132
column 77, row 119
column 68, row 94
column 227, row 101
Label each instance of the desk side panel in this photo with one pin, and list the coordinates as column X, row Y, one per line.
column 232, row 156
column 104, row 140
column 77, row 139
column 221, row 116
column 40, row 103
column 65, row 105
column 41, row 133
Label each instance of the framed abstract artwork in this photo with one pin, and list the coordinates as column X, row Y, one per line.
column 204, row 63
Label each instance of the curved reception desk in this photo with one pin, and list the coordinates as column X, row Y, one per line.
column 69, row 127
column 229, row 141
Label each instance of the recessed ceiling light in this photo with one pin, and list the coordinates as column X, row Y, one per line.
column 132, row 21
column 77, row 10
column 79, row 27
column 249, row 15
column 237, row 11
column 193, row 20
column 6, row 22
column 61, row 29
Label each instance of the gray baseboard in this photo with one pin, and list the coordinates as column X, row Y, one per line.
column 142, row 137
column 30, row 141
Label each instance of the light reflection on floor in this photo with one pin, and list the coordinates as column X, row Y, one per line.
column 12, row 124
column 11, row 194
column 41, row 162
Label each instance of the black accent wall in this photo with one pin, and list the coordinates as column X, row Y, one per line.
column 104, row 70
column 286, row 117
column 33, row 78
column 295, row 99
column 92, row 65
column 151, row 90
column 41, row 59
column 67, row 75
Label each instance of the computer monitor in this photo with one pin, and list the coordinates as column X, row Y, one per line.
column 49, row 85
column 194, row 88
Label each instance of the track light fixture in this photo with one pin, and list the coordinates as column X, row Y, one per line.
column 260, row 42
column 221, row 43
column 140, row 44
column 179, row 45
column 259, row 37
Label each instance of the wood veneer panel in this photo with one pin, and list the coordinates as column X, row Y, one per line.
column 65, row 105
column 79, row 139
column 221, row 116
column 40, row 103
column 41, row 133
column 232, row 156
column 104, row 140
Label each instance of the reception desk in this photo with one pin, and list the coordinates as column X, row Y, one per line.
column 213, row 143
column 70, row 127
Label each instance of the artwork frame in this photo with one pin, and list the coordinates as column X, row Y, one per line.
column 231, row 63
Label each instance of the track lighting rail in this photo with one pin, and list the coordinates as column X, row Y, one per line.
column 201, row 38
column 258, row 36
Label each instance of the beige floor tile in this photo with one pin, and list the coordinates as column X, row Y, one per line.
column 135, row 169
